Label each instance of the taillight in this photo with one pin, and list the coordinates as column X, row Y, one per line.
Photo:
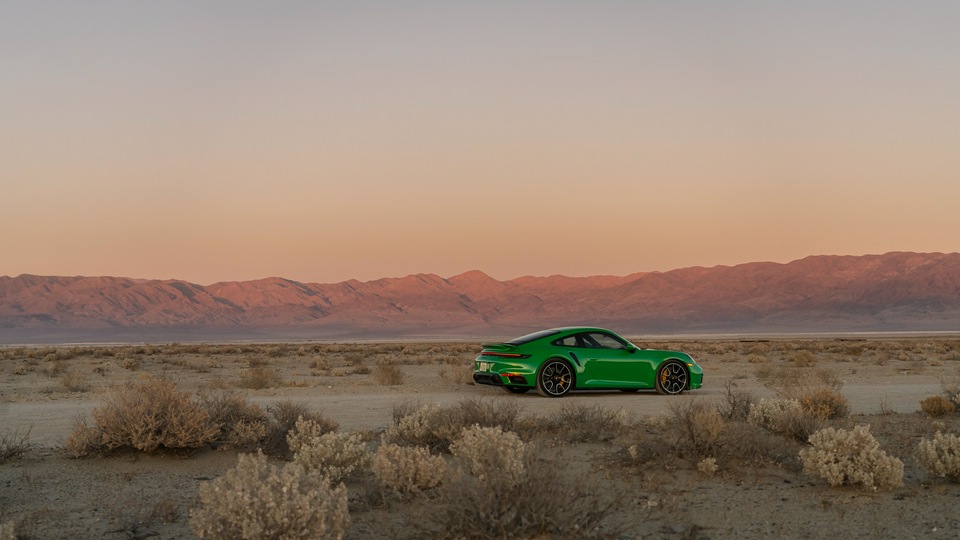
column 504, row 355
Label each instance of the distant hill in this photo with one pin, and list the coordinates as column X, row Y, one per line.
column 891, row 292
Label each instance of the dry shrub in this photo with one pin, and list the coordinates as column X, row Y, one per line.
column 576, row 422
column 334, row 455
column 803, row 359
column 259, row 500
column 54, row 367
column 130, row 363
column 495, row 457
column 695, row 428
column 708, row 466
column 430, row 425
column 457, row 374
column 750, row 444
column 794, row 382
column 388, row 375
column 825, row 402
column 409, row 469
column 768, row 413
column 470, row 508
column 258, row 378
column 785, row 417
column 940, row 456
column 13, row 444
column 74, row 381
column 936, row 406
column 851, row 457
column 319, row 363
column 757, row 359
column 233, row 413
column 285, row 415
column 951, row 391
column 145, row 417
column 736, row 405
column 436, row 427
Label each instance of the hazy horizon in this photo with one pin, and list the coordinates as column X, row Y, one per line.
column 229, row 141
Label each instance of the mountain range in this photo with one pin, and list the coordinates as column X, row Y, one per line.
column 872, row 293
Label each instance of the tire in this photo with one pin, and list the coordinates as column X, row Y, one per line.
column 517, row 389
column 555, row 378
column 672, row 378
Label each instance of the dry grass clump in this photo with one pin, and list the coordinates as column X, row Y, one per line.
column 409, row 469
column 803, row 359
column 258, row 378
column 576, row 422
column 749, row 444
column 851, row 457
column 130, row 363
column 8, row 531
column 937, row 406
column 940, row 456
column 695, row 428
column 334, row 455
column 144, row 417
column 457, row 374
column 13, row 444
column 388, row 375
column 74, row 381
column 259, row 500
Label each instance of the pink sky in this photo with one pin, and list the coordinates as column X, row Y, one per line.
column 218, row 142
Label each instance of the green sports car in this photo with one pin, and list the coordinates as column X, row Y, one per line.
column 559, row 360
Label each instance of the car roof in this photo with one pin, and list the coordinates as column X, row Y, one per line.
column 566, row 329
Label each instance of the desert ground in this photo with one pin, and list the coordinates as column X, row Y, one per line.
column 651, row 474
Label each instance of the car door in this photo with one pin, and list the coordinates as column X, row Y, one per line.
column 613, row 363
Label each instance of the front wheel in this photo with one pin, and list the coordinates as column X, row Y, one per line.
column 555, row 378
column 672, row 378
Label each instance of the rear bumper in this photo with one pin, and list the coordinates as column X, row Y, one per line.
column 487, row 378
column 500, row 379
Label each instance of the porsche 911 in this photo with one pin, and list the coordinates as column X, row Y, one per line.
column 560, row 360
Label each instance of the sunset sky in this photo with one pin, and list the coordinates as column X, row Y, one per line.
column 323, row 141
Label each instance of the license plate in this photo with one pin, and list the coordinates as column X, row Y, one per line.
column 484, row 366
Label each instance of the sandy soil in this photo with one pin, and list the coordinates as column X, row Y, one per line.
column 47, row 494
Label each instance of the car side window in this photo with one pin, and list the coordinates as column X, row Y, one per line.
column 606, row 341
column 580, row 341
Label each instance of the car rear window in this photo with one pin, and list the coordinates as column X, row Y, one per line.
column 532, row 337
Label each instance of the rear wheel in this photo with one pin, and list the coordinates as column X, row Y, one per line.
column 555, row 378
column 517, row 389
column 672, row 378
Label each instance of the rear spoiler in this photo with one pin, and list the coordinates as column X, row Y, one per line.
column 497, row 347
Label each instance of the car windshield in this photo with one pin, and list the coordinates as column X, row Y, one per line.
column 531, row 337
